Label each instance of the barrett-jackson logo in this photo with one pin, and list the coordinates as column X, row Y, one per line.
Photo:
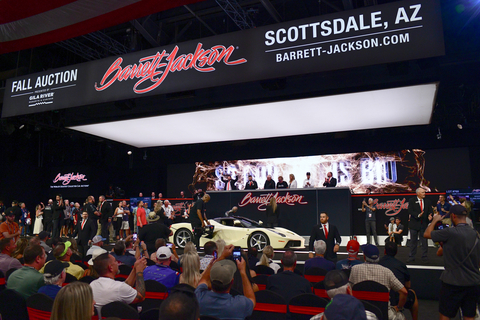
column 69, row 177
column 264, row 199
column 149, row 69
column 392, row 207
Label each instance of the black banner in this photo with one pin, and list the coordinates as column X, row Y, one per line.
column 391, row 205
column 299, row 208
column 386, row 33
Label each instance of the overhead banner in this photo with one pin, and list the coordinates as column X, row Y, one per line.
column 386, row 33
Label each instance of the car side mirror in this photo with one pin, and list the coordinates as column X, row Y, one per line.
column 260, row 222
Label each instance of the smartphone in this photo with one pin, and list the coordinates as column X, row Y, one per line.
column 134, row 237
column 237, row 253
column 169, row 245
column 215, row 254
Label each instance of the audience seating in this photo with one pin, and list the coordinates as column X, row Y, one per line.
column 261, row 269
column 39, row 306
column 9, row 272
column 372, row 308
column 315, row 275
column 120, row 310
column 13, row 306
column 124, row 272
column 269, row 306
column 2, row 281
column 150, row 262
column 151, row 314
column 155, row 293
column 261, row 281
column 374, row 293
column 306, row 305
column 87, row 279
column 319, row 290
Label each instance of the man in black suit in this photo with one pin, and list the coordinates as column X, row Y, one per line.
column 251, row 185
column 58, row 207
column 328, row 233
column 86, row 230
column 330, row 182
column 105, row 210
column 420, row 212
column 229, row 182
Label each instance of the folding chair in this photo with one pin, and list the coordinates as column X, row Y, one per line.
column 261, row 269
column 269, row 306
column 315, row 274
column 261, row 281
column 306, row 305
column 13, row 306
column 155, row 293
column 374, row 293
column 120, row 310
column 319, row 290
column 2, row 281
column 39, row 306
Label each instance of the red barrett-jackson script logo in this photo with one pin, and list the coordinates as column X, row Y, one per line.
column 264, row 199
column 68, row 177
column 392, row 207
column 149, row 69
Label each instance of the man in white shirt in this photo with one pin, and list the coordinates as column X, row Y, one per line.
column 106, row 289
column 308, row 183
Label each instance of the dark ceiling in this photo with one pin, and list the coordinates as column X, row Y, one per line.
column 457, row 72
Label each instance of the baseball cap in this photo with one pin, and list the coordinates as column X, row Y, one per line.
column 98, row 239
column 335, row 279
column 163, row 253
column 223, row 271
column 458, row 209
column 43, row 235
column 345, row 307
column 9, row 212
column 95, row 254
column 370, row 251
column 54, row 268
column 353, row 246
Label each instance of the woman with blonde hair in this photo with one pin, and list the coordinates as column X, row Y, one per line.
column 273, row 213
column 293, row 183
column 220, row 246
column 266, row 259
column 22, row 243
column 191, row 269
column 38, row 226
column 73, row 302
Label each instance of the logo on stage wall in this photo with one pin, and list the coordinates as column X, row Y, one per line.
column 392, row 207
column 151, row 71
column 68, row 178
column 263, row 200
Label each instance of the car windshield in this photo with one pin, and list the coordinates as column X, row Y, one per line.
column 246, row 223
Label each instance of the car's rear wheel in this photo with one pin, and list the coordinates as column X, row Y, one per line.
column 258, row 240
column 181, row 237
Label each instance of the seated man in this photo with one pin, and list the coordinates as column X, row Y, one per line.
column 7, row 247
column 371, row 270
column 288, row 284
column 44, row 236
column 106, row 289
column 352, row 248
column 54, row 276
column 119, row 252
column 97, row 243
column 180, row 306
column 219, row 302
column 210, row 247
column 336, row 284
column 400, row 271
column 319, row 261
column 62, row 252
column 28, row 280
column 161, row 272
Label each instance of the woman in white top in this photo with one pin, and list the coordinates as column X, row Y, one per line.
column 293, row 182
column 266, row 259
column 38, row 226
column 118, row 219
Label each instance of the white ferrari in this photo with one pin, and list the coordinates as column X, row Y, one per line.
column 239, row 231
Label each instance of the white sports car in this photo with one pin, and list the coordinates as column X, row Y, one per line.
column 239, row 231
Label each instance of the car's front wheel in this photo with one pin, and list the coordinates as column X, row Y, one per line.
column 181, row 237
column 258, row 240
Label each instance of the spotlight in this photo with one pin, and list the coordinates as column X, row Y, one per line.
column 459, row 126
column 129, row 153
column 21, row 127
column 439, row 134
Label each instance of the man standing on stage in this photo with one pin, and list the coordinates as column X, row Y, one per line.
column 58, row 207
column 370, row 220
column 229, row 182
column 198, row 219
column 329, row 181
column 105, row 210
column 251, row 185
column 328, row 233
column 461, row 278
column 91, row 209
column 420, row 211
column 47, row 216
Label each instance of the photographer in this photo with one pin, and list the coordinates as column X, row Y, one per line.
column 461, row 278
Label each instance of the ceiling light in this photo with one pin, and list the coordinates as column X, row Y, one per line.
column 404, row 106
